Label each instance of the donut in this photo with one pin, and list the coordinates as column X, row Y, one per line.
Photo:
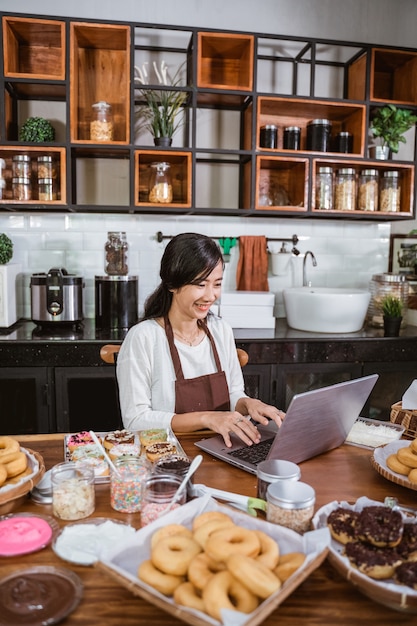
column 117, row 437
column 164, row 583
column 223, row 591
column 16, row 479
column 380, row 526
column 3, row 474
column 413, row 445
column 89, row 450
column 168, row 531
column 288, row 564
column 269, row 551
column 187, row 595
column 207, row 516
column 394, row 464
column 17, row 466
column 224, row 542
column 124, row 449
column 99, row 466
column 378, row 563
column 202, row 534
column 173, row 555
column 406, row 574
column 9, row 449
column 412, row 476
column 407, row 457
column 201, row 569
column 155, row 435
column 341, row 523
column 407, row 548
column 79, row 439
column 158, row 450
column 254, row 575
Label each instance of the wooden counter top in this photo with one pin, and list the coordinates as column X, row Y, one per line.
column 324, row 598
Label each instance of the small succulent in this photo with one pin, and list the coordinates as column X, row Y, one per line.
column 6, row 249
column 392, row 306
column 37, row 130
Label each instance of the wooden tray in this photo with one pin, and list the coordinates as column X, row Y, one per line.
column 13, row 497
column 379, row 458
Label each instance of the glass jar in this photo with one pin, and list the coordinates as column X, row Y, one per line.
column 21, row 166
column 324, row 188
column 21, row 188
column 345, row 190
column 115, row 254
column 319, row 135
column 290, row 504
column 272, row 471
column 382, row 285
column 177, row 465
column 46, row 189
column 292, row 136
column 157, row 494
column 46, row 167
column 368, row 189
column 101, row 126
column 126, row 483
column 390, row 194
column 268, row 136
column 73, row 494
column 160, row 186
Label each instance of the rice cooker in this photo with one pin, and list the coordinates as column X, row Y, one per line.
column 56, row 297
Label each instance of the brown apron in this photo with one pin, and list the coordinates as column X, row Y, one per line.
column 203, row 393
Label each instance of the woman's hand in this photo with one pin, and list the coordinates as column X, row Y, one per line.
column 226, row 422
column 259, row 411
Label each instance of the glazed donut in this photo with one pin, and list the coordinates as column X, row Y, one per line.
column 17, row 466
column 253, row 575
column 412, row 476
column 407, row 548
column 156, row 451
column 154, row 435
column 223, row 591
column 203, row 533
column 79, row 439
column 378, row 563
column 224, row 542
column 288, row 564
column 407, row 457
column 168, row 531
column 380, row 526
column 342, row 523
column 164, row 583
column 269, row 551
column 9, row 449
column 187, row 595
column 3, row 474
column 117, row 437
column 201, row 569
column 207, row 516
column 406, row 573
column 173, row 555
column 394, row 464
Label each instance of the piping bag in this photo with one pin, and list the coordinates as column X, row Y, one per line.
column 245, row 503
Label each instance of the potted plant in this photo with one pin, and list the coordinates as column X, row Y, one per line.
column 160, row 108
column 389, row 125
column 392, row 309
column 37, row 130
column 6, row 249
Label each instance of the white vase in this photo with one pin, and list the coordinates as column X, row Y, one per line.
column 8, row 310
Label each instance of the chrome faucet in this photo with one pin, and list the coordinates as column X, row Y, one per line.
column 307, row 283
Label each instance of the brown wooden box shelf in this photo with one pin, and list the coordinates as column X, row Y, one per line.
column 99, row 71
column 58, row 154
column 406, row 182
column 33, row 48
column 297, row 112
column 284, row 180
column 225, row 61
column 180, row 173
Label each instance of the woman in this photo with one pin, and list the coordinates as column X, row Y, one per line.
column 178, row 367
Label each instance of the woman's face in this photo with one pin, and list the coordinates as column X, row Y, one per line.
column 194, row 301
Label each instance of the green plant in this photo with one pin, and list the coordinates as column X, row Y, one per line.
column 392, row 306
column 390, row 123
column 37, row 130
column 6, row 249
column 161, row 106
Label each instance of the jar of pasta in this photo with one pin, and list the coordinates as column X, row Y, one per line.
column 101, row 126
column 390, row 192
column 21, row 188
column 46, row 167
column 368, row 190
column 345, row 190
column 160, row 185
column 290, row 504
column 21, row 166
column 324, row 188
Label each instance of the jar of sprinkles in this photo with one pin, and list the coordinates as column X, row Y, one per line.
column 157, row 494
column 290, row 504
column 126, row 484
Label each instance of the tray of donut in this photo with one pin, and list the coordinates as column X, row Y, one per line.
column 154, row 443
column 374, row 547
column 20, row 470
column 206, row 563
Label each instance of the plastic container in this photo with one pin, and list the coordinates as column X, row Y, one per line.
column 345, row 190
column 380, row 286
column 319, row 133
column 272, row 471
column 324, row 188
column 116, row 251
column 126, row 484
column 390, row 194
column 73, row 494
column 157, row 494
column 292, row 135
column 268, row 136
column 21, row 166
column 101, row 126
column 160, row 185
column 21, row 188
column 290, row 504
column 368, row 190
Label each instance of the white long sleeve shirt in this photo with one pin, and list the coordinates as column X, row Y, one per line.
column 146, row 377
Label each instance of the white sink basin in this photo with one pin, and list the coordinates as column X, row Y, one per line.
column 326, row 309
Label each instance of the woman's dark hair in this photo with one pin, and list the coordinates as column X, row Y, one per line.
column 188, row 259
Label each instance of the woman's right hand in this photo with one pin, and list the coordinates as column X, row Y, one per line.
column 226, row 422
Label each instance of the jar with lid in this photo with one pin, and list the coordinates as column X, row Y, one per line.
column 126, row 482
column 46, row 190
column 290, row 504
column 292, row 136
column 345, row 190
column 324, row 188
column 46, row 167
column 274, row 470
column 368, row 190
column 268, row 136
column 73, row 493
column 319, row 134
column 21, row 166
column 101, row 126
column 115, row 254
column 175, row 464
column 382, row 285
column 343, row 142
column 390, row 194
column 157, row 494
column 21, row 188
column 160, row 185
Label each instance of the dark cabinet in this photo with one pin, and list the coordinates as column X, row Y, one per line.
column 394, row 379
column 26, row 400
column 258, row 383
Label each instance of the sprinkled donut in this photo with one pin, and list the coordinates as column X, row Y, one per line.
column 380, row 526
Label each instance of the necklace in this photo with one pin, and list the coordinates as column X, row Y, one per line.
column 190, row 340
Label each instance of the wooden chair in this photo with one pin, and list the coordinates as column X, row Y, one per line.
column 109, row 352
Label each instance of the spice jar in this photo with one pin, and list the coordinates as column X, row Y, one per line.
column 115, row 254
column 174, row 464
column 73, row 495
column 268, row 136
column 101, row 126
column 345, row 190
column 46, row 189
column 390, row 192
column 290, row 504
column 383, row 285
column 157, row 494
column 46, row 167
column 160, row 186
column 324, row 188
column 273, row 471
column 368, row 190
column 126, row 484
column 319, row 135
column 292, row 138
column 343, row 142
column 21, row 166
column 21, row 188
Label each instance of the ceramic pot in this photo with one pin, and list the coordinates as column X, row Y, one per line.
column 163, row 142
column 392, row 326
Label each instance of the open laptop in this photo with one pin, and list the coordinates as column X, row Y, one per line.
column 316, row 421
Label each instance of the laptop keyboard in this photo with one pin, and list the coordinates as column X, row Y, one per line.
column 253, row 454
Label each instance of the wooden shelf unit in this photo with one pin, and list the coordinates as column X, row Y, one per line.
column 180, row 173
column 225, row 61
column 283, row 179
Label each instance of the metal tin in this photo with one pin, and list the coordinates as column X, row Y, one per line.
column 343, row 142
column 382, row 285
column 275, row 470
column 291, row 504
column 319, row 135
column 268, row 137
column 292, row 136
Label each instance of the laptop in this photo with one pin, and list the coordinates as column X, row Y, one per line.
column 316, row 421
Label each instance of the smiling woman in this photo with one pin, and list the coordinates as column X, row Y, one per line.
column 178, row 368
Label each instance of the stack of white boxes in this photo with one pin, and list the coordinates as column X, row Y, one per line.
column 248, row 309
